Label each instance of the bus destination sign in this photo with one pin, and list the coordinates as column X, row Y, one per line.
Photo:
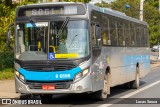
column 51, row 10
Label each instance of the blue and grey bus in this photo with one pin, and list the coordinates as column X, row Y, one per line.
column 69, row 47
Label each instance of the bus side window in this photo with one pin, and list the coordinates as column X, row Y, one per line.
column 93, row 35
column 96, row 35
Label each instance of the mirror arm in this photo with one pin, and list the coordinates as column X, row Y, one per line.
column 10, row 25
column 8, row 35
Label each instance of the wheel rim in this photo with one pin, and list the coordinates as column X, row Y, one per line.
column 137, row 79
column 106, row 84
column 105, row 87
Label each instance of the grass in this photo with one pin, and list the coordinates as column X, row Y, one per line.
column 7, row 73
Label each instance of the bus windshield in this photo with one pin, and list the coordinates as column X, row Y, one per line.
column 53, row 40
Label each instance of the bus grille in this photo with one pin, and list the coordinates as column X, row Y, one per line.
column 59, row 85
column 48, row 67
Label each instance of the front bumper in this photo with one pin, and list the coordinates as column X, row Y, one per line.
column 83, row 85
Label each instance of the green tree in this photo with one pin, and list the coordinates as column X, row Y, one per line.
column 7, row 14
column 103, row 4
column 154, row 3
column 152, row 16
column 120, row 5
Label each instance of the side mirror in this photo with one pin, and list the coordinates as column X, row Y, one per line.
column 8, row 36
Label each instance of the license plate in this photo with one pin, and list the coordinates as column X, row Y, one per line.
column 48, row 87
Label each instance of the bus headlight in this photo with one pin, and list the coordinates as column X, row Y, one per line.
column 20, row 76
column 17, row 73
column 81, row 74
column 85, row 72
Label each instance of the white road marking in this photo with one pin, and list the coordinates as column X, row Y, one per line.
column 130, row 94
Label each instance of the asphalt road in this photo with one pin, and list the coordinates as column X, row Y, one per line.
column 149, row 88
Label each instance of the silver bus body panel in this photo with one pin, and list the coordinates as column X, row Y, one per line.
column 120, row 71
column 86, row 64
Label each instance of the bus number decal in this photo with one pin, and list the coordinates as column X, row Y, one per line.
column 63, row 76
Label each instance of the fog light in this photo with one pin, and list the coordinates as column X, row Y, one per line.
column 79, row 88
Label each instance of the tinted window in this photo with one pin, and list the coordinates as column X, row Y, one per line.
column 105, row 31
column 120, row 30
column 132, row 33
column 113, row 32
column 138, row 36
column 127, row 33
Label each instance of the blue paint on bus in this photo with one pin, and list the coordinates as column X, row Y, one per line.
column 131, row 60
column 51, row 75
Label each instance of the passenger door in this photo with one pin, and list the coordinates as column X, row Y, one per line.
column 96, row 40
column 96, row 51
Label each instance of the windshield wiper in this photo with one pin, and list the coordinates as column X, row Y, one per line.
column 33, row 23
column 39, row 29
column 73, row 40
column 63, row 26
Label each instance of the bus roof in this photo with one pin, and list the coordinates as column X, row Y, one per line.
column 51, row 3
column 91, row 7
column 116, row 14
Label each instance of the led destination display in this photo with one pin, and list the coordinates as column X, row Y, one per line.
column 52, row 10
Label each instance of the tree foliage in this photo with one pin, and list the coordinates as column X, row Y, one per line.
column 133, row 11
column 154, row 3
column 7, row 14
column 103, row 4
column 6, row 17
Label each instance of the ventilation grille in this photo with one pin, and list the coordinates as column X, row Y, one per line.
column 58, row 85
column 48, row 67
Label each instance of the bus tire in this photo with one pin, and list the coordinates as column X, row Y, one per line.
column 46, row 97
column 136, row 82
column 127, row 85
column 102, row 94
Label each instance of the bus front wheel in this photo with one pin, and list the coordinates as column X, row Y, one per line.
column 102, row 94
column 46, row 97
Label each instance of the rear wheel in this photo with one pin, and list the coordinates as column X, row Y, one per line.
column 136, row 82
column 102, row 94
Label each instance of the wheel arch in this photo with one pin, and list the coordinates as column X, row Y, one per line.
column 108, row 70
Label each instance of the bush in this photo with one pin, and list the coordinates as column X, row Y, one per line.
column 7, row 73
column 6, row 59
